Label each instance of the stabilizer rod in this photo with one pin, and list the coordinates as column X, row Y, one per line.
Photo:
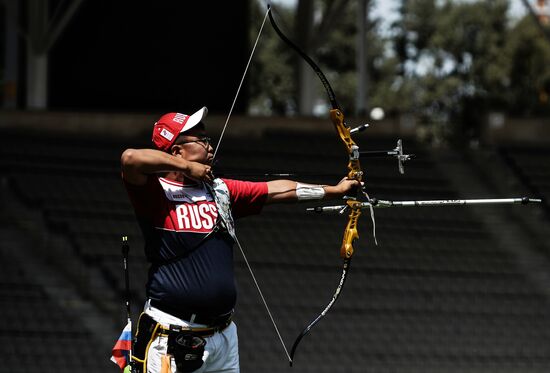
column 435, row 202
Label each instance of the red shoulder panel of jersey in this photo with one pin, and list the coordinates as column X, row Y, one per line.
column 247, row 197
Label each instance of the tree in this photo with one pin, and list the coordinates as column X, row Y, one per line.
column 529, row 53
column 451, row 60
column 42, row 33
column 281, row 82
column 272, row 80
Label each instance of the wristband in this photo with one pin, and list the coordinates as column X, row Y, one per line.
column 307, row 192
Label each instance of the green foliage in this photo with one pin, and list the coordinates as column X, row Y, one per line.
column 273, row 88
column 448, row 63
column 452, row 52
column 272, row 77
column 529, row 86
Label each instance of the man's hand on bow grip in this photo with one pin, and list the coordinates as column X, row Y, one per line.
column 348, row 187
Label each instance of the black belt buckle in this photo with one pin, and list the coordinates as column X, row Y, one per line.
column 221, row 322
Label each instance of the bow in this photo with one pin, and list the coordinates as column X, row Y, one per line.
column 354, row 173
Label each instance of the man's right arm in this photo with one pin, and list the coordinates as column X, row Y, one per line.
column 137, row 164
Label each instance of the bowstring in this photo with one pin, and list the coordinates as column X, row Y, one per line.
column 236, row 239
column 240, row 85
column 263, row 299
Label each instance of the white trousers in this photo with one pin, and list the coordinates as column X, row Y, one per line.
column 221, row 352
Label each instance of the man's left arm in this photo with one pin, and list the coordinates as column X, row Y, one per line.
column 280, row 191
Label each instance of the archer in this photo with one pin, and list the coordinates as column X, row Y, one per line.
column 187, row 219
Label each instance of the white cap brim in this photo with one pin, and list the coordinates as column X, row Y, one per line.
column 195, row 119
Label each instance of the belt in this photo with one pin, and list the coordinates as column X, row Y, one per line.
column 203, row 332
column 219, row 322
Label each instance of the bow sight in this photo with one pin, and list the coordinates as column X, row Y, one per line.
column 397, row 152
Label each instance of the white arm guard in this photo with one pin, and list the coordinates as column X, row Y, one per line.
column 307, row 192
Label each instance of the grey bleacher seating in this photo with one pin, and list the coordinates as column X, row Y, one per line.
column 35, row 330
column 437, row 294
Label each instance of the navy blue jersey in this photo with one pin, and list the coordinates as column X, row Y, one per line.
column 191, row 270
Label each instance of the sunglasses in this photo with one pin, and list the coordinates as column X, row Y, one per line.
column 205, row 141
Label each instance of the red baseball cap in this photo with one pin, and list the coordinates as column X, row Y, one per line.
column 170, row 125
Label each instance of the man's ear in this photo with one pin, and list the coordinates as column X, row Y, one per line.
column 175, row 149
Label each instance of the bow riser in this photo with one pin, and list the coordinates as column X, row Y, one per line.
column 350, row 234
column 354, row 167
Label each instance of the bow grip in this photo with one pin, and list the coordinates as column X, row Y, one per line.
column 350, row 234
